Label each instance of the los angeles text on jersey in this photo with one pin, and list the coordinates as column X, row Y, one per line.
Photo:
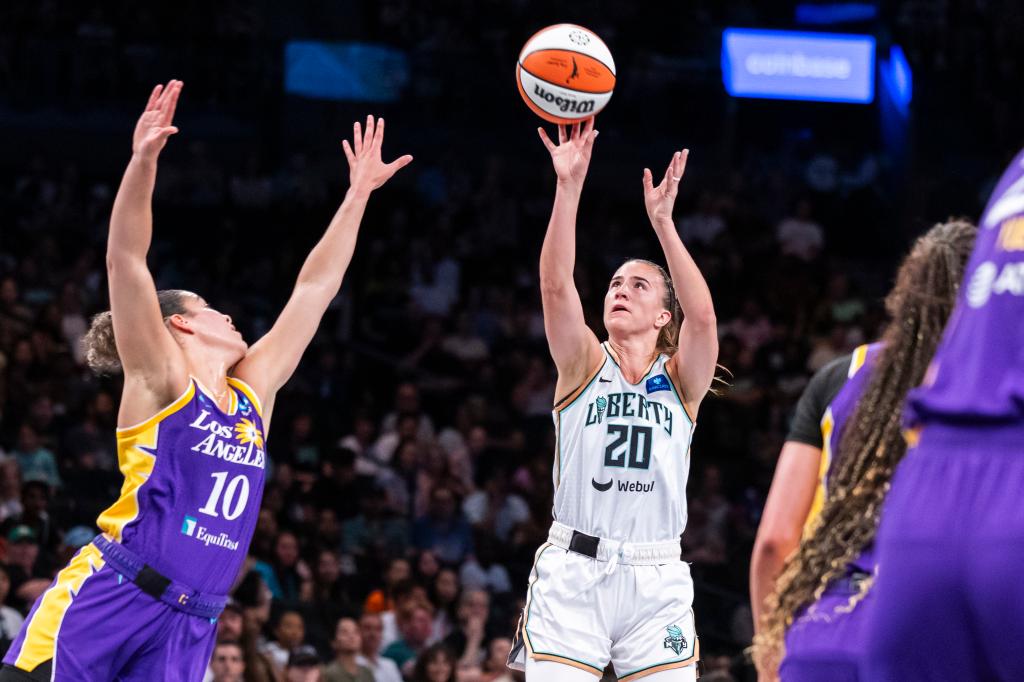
column 628, row 404
column 241, row 445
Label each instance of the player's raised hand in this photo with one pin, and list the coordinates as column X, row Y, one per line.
column 571, row 156
column 366, row 169
column 154, row 126
column 661, row 200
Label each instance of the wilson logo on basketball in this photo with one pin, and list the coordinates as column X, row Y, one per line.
column 585, row 106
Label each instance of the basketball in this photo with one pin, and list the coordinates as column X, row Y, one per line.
column 565, row 73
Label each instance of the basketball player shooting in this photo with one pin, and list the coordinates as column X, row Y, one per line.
column 141, row 601
column 609, row 584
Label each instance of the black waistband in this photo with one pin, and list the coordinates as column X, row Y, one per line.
column 584, row 544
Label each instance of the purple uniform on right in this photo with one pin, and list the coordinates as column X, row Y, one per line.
column 949, row 596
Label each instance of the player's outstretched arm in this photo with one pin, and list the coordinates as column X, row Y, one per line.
column 694, row 363
column 272, row 360
column 782, row 522
column 574, row 348
column 154, row 365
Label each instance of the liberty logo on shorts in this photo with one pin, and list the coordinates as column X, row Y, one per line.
column 189, row 526
column 675, row 640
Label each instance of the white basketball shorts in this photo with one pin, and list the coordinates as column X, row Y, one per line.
column 630, row 605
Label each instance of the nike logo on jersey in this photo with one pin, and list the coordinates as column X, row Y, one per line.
column 601, row 487
column 602, row 380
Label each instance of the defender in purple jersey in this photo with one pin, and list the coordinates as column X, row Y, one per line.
column 951, row 540
column 141, row 601
column 821, row 600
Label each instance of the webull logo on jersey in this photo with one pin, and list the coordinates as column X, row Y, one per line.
column 629, row 404
column 242, row 444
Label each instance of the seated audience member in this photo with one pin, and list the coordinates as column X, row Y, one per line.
column 303, row 667
column 289, row 638
column 416, row 624
column 436, row 664
column 227, row 663
column 371, row 630
column 347, row 645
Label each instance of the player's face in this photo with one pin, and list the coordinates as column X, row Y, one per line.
column 635, row 301
column 215, row 328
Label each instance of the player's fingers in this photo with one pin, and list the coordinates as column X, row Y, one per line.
column 349, row 155
column 548, row 144
column 357, row 137
column 378, row 134
column 588, row 125
column 400, row 163
column 153, row 97
column 576, row 131
column 648, row 180
column 681, row 163
column 671, row 168
column 561, row 134
column 368, row 132
column 171, row 104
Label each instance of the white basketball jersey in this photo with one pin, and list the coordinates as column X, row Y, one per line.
column 623, row 456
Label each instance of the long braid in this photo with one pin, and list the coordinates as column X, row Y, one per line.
column 872, row 444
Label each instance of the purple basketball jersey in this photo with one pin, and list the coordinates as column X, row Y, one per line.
column 843, row 405
column 977, row 375
column 193, row 484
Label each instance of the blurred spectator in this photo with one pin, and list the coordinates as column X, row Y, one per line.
column 289, row 638
column 434, row 665
column 347, row 645
column 10, row 620
column 495, row 668
column 303, row 667
column 374, row 531
column 444, row 595
column 415, row 624
column 227, row 663
column 29, row 575
column 407, row 404
column 371, row 630
column 35, row 461
column 494, row 509
column 799, row 236
column 383, row 599
column 443, row 530
column 703, row 225
column 467, row 638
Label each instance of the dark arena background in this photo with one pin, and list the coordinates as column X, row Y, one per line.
column 411, row 455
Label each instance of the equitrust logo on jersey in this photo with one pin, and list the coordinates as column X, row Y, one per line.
column 190, row 527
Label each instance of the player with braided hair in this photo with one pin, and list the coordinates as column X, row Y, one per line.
column 821, row 599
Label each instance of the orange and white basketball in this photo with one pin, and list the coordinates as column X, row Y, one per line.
column 565, row 73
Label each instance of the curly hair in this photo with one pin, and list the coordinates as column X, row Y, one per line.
column 99, row 343
column 872, row 445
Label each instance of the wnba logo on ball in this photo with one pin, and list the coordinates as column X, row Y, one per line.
column 563, row 104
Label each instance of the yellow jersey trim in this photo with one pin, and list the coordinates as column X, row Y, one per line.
column 40, row 643
column 249, row 393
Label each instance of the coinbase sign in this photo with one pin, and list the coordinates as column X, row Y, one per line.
column 825, row 67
